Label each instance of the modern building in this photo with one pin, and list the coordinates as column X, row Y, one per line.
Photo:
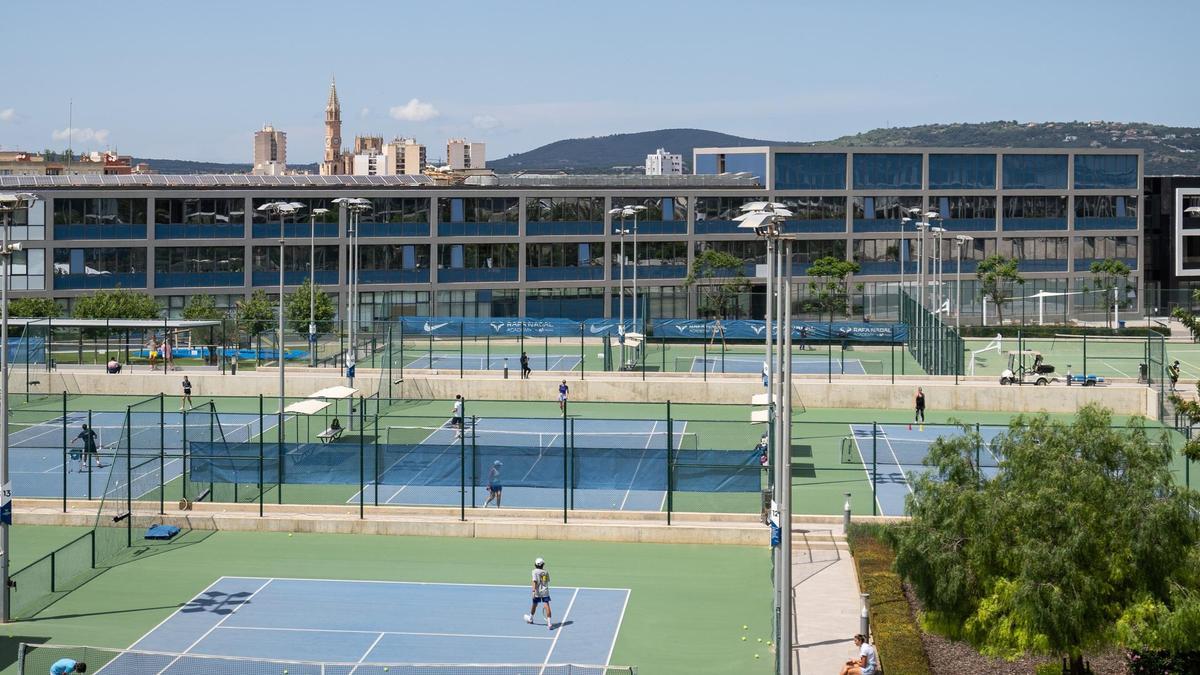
column 21, row 163
column 406, row 157
column 270, row 152
column 1172, row 235
column 462, row 154
column 532, row 245
column 663, row 163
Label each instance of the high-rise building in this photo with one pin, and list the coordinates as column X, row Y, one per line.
column 663, row 163
column 461, row 154
column 270, row 152
column 333, row 164
column 405, row 156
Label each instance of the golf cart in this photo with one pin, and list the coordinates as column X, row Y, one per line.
column 1026, row 367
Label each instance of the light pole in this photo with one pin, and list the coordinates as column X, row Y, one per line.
column 959, row 241
column 312, row 283
column 354, row 206
column 283, row 209
column 625, row 212
column 766, row 219
column 912, row 211
column 636, row 210
column 8, row 204
column 937, row 265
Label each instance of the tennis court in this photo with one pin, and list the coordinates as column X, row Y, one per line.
column 452, row 361
column 896, row 452
column 373, row 622
column 608, row 464
column 804, row 365
column 36, row 450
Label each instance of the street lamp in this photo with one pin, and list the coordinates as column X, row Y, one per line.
column 282, row 209
column 766, row 219
column 9, row 203
column 959, row 241
column 312, row 283
column 912, row 212
column 626, row 212
column 354, row 207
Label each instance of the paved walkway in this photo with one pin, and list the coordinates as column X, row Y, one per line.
column 827, row 605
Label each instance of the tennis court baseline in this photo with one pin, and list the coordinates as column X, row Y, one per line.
column 377, row 622
column 452, row 361
column 800, row 364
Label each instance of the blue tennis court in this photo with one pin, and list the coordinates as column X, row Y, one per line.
column 371, row 623
column 618, row 465
column 36, row 451
column 452, row 361
column 897, row 453
column 800, row 364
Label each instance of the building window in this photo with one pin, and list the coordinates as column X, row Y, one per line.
column 715, row 215
column 28, row 224
column 887, row 171
column 266, row 225
column 477, row 262
column 100, row 218
column 1105, row 171
column 1035, row 172
column 478, row 303
column 1039, row 254
column 393, row 263
column 1035, row 212
column 883, row 214
column 568, row 303
column 562, row 262
column 395, row 217
column 296, row 262
column 197, row 218
column 662, row 215
column 78, row 268
column 661, row 302
column 1106, row 212
column 564, row 215
column 1092, row 249
column 810, row 171
column 965, row 212
column 655, row 260
column 192, row 266
column 478, row 216
column 27, row 270
column 877, row 256
column 962, row 172
column 815, row 214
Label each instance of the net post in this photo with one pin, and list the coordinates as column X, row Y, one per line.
column 545, row 350
column 1085, row 368
column 162, row 442
column 474, row 460
column 583, row 359
column 375, row 461
column 874, row 468
column 487, row 352
column 670, row 469
column 362, row 457
column 704, row 350
column 892, row 335
column 65, row 454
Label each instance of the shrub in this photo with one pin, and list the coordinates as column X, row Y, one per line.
column 892, row 624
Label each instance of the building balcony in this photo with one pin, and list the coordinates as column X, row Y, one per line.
column 652, row 272
column 719, row 227
column 968, row 224
column 198, row 231
column 1124, row 223
column 198, row 279
column 296, row 230
column 564, row 228
column 393, row 229
column 402, row 276
column 1085, row 264
column 659, row 226
column 500, row 229
column 1058, row 265
column 575, row 273
column 67, row 282
column 63, row 231
column 1019, row 224
column 454, row 275
column 293, row 278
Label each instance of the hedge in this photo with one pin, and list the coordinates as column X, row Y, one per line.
column 1051, row 331
column 896, row 633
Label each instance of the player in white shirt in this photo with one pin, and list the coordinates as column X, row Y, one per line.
column 867, row 662
column 541, row 592
column 456, row 416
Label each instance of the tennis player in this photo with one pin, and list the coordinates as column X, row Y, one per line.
column 563, row 391
column 541, row 592
column 186, row 401
column 494, row 487
column 88, row 436
column 456, row 416
column 64, row 666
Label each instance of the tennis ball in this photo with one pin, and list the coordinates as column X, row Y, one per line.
column 289, row 534
column 760, row 639
column 743, row 638
column 745, row 627
column 755, row 656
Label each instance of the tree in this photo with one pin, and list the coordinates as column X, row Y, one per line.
column 1108, row 277
column 1079, row 531
column 295, row 310
column 831, row 283
column 720, row 279
column 202, row 307
column 256, row 314
column 996, row 274
column 120, row 303
column 34, row 308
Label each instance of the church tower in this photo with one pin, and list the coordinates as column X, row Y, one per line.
column 333, row 134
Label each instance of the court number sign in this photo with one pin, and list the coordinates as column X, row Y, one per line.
column 6, row 504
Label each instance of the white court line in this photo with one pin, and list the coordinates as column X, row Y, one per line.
column 354, row 497
column 160, row 623
column 367, row 653
column 428, row 465
column 867, row 471
column 420, row 583
column 617, row 631
column 649, row 440
column 554, row 643
column 215, row 626
column 899, row 466
column 385, row 632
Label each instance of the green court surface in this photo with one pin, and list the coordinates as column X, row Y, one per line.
column 686, row 609
column 1103, row 356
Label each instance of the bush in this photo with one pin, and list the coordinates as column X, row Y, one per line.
column 895, row 629
column 1051, row 331
column 1163, row 663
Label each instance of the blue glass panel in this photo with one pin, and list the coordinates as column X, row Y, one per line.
column 567, row 227
column 879, row 225
column 652, row 272
column 456, row 256
column 296, row 230
column 880, row 267
column 887, row 171
column 64, row 231
column 752, row 163
column 970, row 172
column 457, row 210
column 816, row 225
column 586, row 272
column 1085, row 264
column 505, row 229
column 83, row 281
column 194, row 231
column 197, row 279
column 1105, row 171
column 567, row 307
column 662, row 227
column 1047, row 172
column 292, row 278
column 706, row 164
column 1127, row 223
column 1042, row 265
column 968, row 224
column 477, row 274
column 408, row 257
column 393, row 229
column 406, row 276
column 1016, row 224
column 718, row 227
column 810, row 171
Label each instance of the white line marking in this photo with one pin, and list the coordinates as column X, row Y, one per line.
column 620, row 620
column 383, row 633
column 160, row 623
column 638, row 467
column 554, row 643
column 421, row 583
column 892, row 450
column 863, row 457
column 367, row 653
column 215, row 626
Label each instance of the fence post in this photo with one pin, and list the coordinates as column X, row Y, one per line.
column 574, row 477
column 583, row 353
column 566, row 443
column 362, row 456
column 462, row 465
column 162, row 450
column 474, row 460
column 183, row 451
column 670, row 468
column 128, row 479
column 874, row 468
column 118, row 449
column 461, row 347
column 261, row 459
column 65, row 453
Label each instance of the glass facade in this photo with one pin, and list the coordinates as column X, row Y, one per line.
column 804, row 252
column 1035, row 172
column 753, row 163
column 1038, row 254
column 266, row 226
column 810, row 171
column 568, row 303
column 393, row 263
column 714, row 215
column 655, row 260
column 1105, row 171
column 877, row 256
column 396, row 217
column 199, row 266
column 887, row 171
column 295, row 265
column 883, row 214
column 1106, row 212
column 391, row 305
column 27, row 270
column 752, row 253
column 500, row 302
column 663, row 215
column 815, row 214
column 1035, row 212
column 477, row 262
column 564, row 262
column 654, row 302
column 28, row 224
column 965, row 213
column 100, row 218
column 89, row 268
column 1095, row 249
column 199, row 218
column 564, row 215
column 478, row 216
column 962, row 172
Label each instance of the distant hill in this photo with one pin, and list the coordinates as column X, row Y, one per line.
column 604, row 153
column 184, row 166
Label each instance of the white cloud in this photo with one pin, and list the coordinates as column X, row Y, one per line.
column 365, row 112
column 485, row 122
column 83, row 135
column 8, row 114
column 414, row 111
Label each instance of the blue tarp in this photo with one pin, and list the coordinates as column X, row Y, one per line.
column 27, row 350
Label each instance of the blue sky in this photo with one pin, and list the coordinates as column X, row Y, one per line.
column 193, row 80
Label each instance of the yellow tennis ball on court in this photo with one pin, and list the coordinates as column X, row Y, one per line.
column 755, row 656
column 760, row 639
column 743, row 638
column 745, row 627
column 289, row 534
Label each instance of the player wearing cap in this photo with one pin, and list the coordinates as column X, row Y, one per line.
column 541, row 592
column 65, row 666
column 494, row 487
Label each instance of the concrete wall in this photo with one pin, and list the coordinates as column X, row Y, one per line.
column 977, row 394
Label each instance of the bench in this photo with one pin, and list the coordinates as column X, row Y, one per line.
column 330, row 435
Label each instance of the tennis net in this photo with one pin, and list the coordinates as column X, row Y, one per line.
column 881, row 449
column 441, row 435
column 36, row 659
